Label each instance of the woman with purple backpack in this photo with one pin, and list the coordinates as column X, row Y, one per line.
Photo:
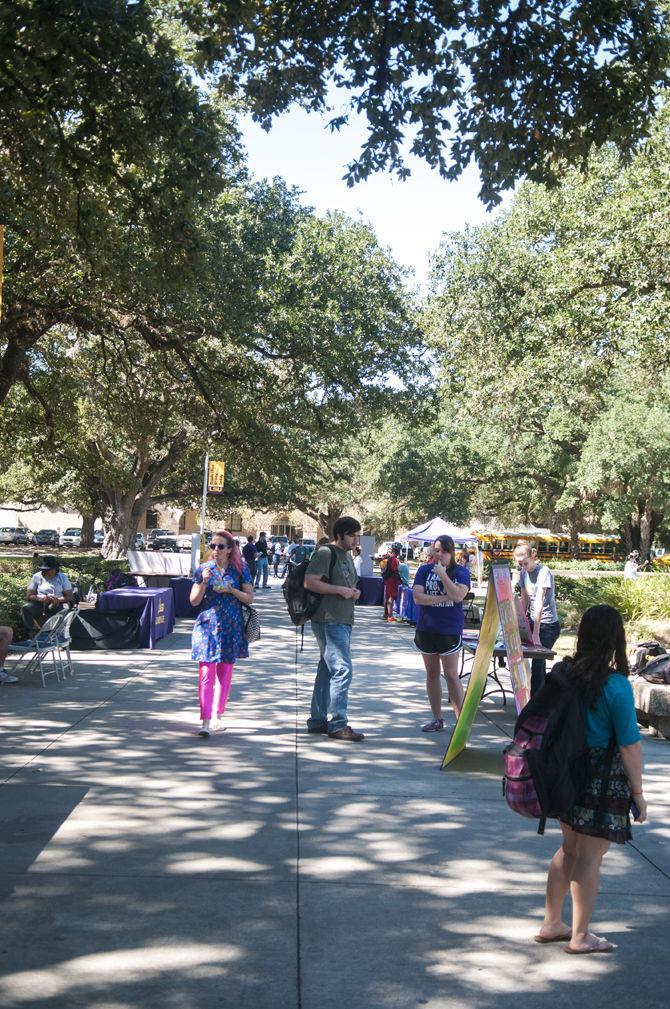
column 601, row 814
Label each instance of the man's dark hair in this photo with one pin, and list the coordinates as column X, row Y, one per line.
column 345, row 525
column 261, row 535
column 250, row 539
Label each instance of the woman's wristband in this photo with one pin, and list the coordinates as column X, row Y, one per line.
column 636, row 791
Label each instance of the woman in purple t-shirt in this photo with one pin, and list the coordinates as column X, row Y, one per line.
column 439, row 590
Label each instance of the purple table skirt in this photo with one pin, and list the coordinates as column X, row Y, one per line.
column 372, row 591
column 181, row 588
column 156, row 611
column 404, row 605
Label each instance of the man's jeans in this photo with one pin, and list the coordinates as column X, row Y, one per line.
column 262, row 569
column 333, row 676
column 538, row 667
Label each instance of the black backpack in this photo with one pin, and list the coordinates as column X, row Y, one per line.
column 546, row 762
column 303, row 604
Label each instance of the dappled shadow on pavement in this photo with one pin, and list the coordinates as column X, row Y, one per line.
column 141, row 866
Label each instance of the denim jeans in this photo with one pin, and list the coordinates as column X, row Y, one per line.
column 538, row 667
column 333, row 676
column 262, row 569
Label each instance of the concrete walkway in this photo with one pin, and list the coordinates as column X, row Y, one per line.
column 143, row 868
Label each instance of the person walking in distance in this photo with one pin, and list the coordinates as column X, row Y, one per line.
column 262, row 563
column 249, row 554
column 391, row 576
column 439, row 590
column 223, row 582
column 331, row 574
column 538, row 598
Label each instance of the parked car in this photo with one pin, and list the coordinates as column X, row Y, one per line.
column 71, row 537
column 282, row 539
column 14, row 534
column 162, row 539
column 139, row 541
column 46, row 538
column 310, row 546
column 184, row 542
column 98, row 537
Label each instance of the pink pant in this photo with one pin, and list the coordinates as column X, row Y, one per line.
column 210, row 672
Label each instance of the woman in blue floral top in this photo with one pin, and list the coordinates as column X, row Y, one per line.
column 224, row 583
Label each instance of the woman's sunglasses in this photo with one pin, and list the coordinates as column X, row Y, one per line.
column 222, row 546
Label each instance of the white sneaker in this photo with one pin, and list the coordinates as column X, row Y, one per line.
column 6, row 678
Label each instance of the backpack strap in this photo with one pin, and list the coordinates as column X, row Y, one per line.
column 333, row 558
column 541, row 825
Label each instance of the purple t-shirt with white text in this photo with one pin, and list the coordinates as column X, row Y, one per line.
column 440, row 618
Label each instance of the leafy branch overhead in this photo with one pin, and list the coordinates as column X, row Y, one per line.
column 514, row 87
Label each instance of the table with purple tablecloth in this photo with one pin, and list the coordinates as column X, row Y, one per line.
column 181, row 588
column 155, row 611
column 404, row 606
column 372, row 591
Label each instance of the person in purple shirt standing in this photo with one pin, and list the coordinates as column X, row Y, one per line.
column 439, row 589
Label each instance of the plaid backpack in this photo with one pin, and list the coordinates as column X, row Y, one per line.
column 546, row 762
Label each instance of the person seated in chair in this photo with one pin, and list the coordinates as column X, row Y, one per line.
column 48, row 591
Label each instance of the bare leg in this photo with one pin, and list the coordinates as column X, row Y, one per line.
column 433, row 683
column 450, row 670
column 6, row 635
column 558, row 884
column 584, row 884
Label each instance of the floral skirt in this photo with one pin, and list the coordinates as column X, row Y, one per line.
column 609, row 819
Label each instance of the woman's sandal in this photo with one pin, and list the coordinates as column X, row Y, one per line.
column 557, row 938
column 601, row 946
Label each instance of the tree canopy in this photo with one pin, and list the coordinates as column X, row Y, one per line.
column 515, row 87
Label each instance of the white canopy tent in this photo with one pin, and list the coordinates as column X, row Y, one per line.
column 437, row 526
column 433, row 528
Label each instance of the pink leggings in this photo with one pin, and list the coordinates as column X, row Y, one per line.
column 210, row 672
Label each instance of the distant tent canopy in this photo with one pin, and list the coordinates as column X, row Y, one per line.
column 438, row 527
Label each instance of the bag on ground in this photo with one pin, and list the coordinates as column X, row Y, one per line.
column 303, row 604
column 546, row 762
column 645, row 652
column 656, row 670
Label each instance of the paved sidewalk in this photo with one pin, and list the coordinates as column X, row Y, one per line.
column 144, row 868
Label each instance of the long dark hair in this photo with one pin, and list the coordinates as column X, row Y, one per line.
column 235, row 555
column 600, row 639
column 447, row 543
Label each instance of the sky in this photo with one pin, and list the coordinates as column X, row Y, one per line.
column 409, row 217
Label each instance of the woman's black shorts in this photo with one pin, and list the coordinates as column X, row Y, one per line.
column 429, row 643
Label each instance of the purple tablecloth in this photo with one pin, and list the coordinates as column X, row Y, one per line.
column 155, row 606
column 404, row 605
column 181, row 588
column 372, row 591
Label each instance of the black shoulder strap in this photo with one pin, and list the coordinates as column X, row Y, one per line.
column 333, row 558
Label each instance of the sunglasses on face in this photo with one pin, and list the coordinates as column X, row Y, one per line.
column 221, row 546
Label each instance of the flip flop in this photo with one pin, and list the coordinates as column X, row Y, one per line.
column 556, row 938
column 602, row 946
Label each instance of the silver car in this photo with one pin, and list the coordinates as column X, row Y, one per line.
column 14, row 534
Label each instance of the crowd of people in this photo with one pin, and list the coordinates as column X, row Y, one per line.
column 599, row 668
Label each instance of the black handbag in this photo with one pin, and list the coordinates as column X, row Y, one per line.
column 252, row 623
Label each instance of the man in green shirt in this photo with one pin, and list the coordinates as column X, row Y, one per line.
column 331, row 625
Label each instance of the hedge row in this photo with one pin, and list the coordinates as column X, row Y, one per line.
column 16, row 572
column 646, row 598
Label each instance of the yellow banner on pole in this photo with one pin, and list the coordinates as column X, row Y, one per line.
column 216, row 477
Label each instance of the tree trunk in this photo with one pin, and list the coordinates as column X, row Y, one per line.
column 87, row 526
column 328, row 516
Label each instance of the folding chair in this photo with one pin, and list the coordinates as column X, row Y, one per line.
column 46, row 642
column 471, row 614
column 64, row 641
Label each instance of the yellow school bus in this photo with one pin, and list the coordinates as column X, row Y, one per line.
column 551, row 546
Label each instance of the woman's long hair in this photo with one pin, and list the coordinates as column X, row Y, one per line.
column 447, row 543
column 601, row 644
column 235, row 555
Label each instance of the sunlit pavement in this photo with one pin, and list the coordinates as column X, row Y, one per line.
column 143, row 867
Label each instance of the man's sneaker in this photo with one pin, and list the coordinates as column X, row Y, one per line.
column 6, row 678
column 436, row 725
column 348, row 734
column 318, row 729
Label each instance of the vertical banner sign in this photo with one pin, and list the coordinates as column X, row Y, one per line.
column 504, row 611
column 519, row 672
column 477, row 681
column 216, row 477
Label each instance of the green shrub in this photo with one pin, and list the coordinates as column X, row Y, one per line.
column 12, row 598
column 637, row 600
column 569, row 564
